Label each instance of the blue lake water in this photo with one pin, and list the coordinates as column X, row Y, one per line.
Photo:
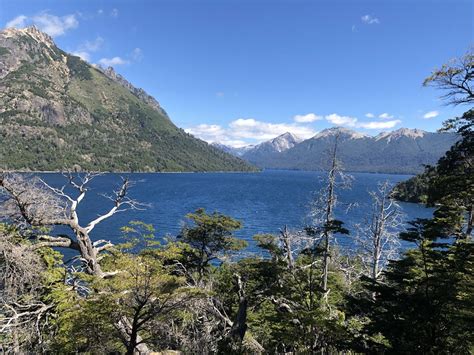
column 263, row 202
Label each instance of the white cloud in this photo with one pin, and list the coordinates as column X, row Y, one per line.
column 94, row 45
column 385, row 116
column 110, row 62
column 100, row 12
column 338, row 120
column 84, row 49
column 137, row 54
column 309, row 117
column 114, row 13
column 17, row 22
column 220, row 94
column 369, row 115
column 378, row 124
column 431, row 114
column 258, row 130
column 83, row 55
column 55, row 25
column 51, row 24
column 243, row 131
column 370, row 20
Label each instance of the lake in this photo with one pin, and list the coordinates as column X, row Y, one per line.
column 263, row 202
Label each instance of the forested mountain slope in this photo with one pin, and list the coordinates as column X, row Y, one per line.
column 57, row 111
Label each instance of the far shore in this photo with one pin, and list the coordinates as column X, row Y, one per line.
column 199, row 172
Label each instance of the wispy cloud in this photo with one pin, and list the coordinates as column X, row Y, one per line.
column 134, row 56
column 339, row 120
column 379, row 124
column 114, row 13
column 431, row 114
column 18, row 22
column 349, row 121
column 385, row 116
column 370, row 20
column 243, row 131
column 46, row 22
column 137, row 54
column 110, row 62
column 309, row 117
column 84, row 49
column 94, row 45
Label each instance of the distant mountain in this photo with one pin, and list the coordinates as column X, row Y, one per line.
column 402, row 151
column 238, row 152
column 57, row 111
column 265, row 151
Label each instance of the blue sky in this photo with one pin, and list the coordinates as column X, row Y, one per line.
column 245, row 71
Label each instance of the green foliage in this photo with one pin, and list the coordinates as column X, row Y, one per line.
column 4, row 51
column 425, row 301
column 138, row 236
column 415, row 189
column 210, row 235
column 79, row 69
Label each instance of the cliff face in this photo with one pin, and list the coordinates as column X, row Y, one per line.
column 57, row 111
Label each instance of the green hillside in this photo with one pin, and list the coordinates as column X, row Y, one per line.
column 57, row 111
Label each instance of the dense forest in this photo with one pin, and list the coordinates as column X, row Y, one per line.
column 198, row 293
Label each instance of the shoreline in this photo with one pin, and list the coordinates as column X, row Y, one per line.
column 201, row 172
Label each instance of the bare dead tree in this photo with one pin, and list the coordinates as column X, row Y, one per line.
column 455, row 78
column 35, row 204
column 22, row 314
column 324, row 225
column 378, row 236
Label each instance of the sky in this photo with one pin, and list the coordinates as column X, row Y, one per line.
column 244, row 71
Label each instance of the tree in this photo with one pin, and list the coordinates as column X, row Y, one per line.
column 210, row 235
column 35, row 204
column 324, row 225
column 290, row 310
column 34, row 207
column 425, row 302
column 452, row 187
column 378, row 236
column 455, row 78
column 33, row 284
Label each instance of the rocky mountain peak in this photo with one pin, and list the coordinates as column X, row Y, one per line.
column 285, row 141
column 401, row 132
column 138, row 92
column 344, row 132
column 31, row 31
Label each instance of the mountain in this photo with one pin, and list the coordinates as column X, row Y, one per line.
column 403, row 151
column 57, row 111
column 263, row 152
column 236, row 151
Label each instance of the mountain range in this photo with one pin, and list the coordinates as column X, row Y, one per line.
column 58, row 111
column 404, row 151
